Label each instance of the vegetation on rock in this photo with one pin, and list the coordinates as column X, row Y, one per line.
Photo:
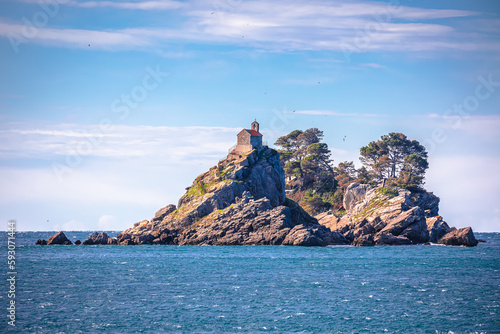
column 318, row 186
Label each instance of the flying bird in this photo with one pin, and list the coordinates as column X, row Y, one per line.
column 344, row 138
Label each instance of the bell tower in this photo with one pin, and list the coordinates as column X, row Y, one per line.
column 255, row 126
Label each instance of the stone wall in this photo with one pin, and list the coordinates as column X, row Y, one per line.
column 244, row 138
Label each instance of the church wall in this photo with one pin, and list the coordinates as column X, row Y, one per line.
column 244, row 138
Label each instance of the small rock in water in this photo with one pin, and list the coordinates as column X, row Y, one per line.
column 461, row 237
column 59, row 239
column 97, row 239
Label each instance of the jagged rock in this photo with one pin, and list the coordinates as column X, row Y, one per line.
column 59, row 239
column 78, row 242
column 364, row 240
column 437, row 228
column 389, row 239
column 409, row 224
column 391, row 215
column 461, row 237
column 41, row 242
column 112, row 241
column 97, row 239
column 353, row 194
column 328, row 220
column 238, row 202
column 302, row 235
column 160, row 214
column 417, row 232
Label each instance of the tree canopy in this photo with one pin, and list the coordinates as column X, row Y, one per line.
column 318, row 186
column 307, row 165
column 396, row 158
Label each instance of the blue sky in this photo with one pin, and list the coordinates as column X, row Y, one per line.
column 109, row 109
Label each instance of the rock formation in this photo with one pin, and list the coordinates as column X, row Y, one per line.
column 461, row 237
column 97, row 239
column 393, row 216
column 57, row 239
column 238, row 202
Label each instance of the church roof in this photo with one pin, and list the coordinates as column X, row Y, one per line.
column 254, row 133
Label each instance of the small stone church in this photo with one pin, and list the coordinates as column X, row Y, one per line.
column 248, row 139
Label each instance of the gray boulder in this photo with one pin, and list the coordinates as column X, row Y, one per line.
column 437, row 228
column 354, row 193
column 461, row 237
column 389, row 239
column 59, row 239
column 163, row 212
column 364, row 240
column 97, row 239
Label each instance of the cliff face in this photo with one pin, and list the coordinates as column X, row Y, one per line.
column 393, row 216
column 237, row 202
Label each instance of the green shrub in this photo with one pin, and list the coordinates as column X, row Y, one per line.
column 391, row 192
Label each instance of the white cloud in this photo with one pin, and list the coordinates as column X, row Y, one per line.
column 141, row 166
column 109, row 223
column 468, row 187
column 333, row 113
column 372, row 65
column 279, row 25
column 473, row 129
column 140, row 5
column 58, row 141
column 134, row 5
column 72, row 225
column 76, row 38
column 65, row 133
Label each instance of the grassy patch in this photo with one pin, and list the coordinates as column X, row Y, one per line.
column 226, row 170
column 225, row 209
column 339, row 213
column 378, row 202
column 387, row 191
column 198, row 222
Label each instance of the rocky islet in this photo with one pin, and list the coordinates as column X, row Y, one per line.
column 241, row 201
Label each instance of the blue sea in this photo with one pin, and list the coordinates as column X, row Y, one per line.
column 248, row 289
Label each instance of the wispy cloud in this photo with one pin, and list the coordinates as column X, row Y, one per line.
column 134, row 5
column 63, row 133
column 372, row 65
column 333, row 113
column 173, row 144
column 480, row 126
column 78, row 38
column 278, row 26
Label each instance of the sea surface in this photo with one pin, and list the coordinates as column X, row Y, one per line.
column 247, row 289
